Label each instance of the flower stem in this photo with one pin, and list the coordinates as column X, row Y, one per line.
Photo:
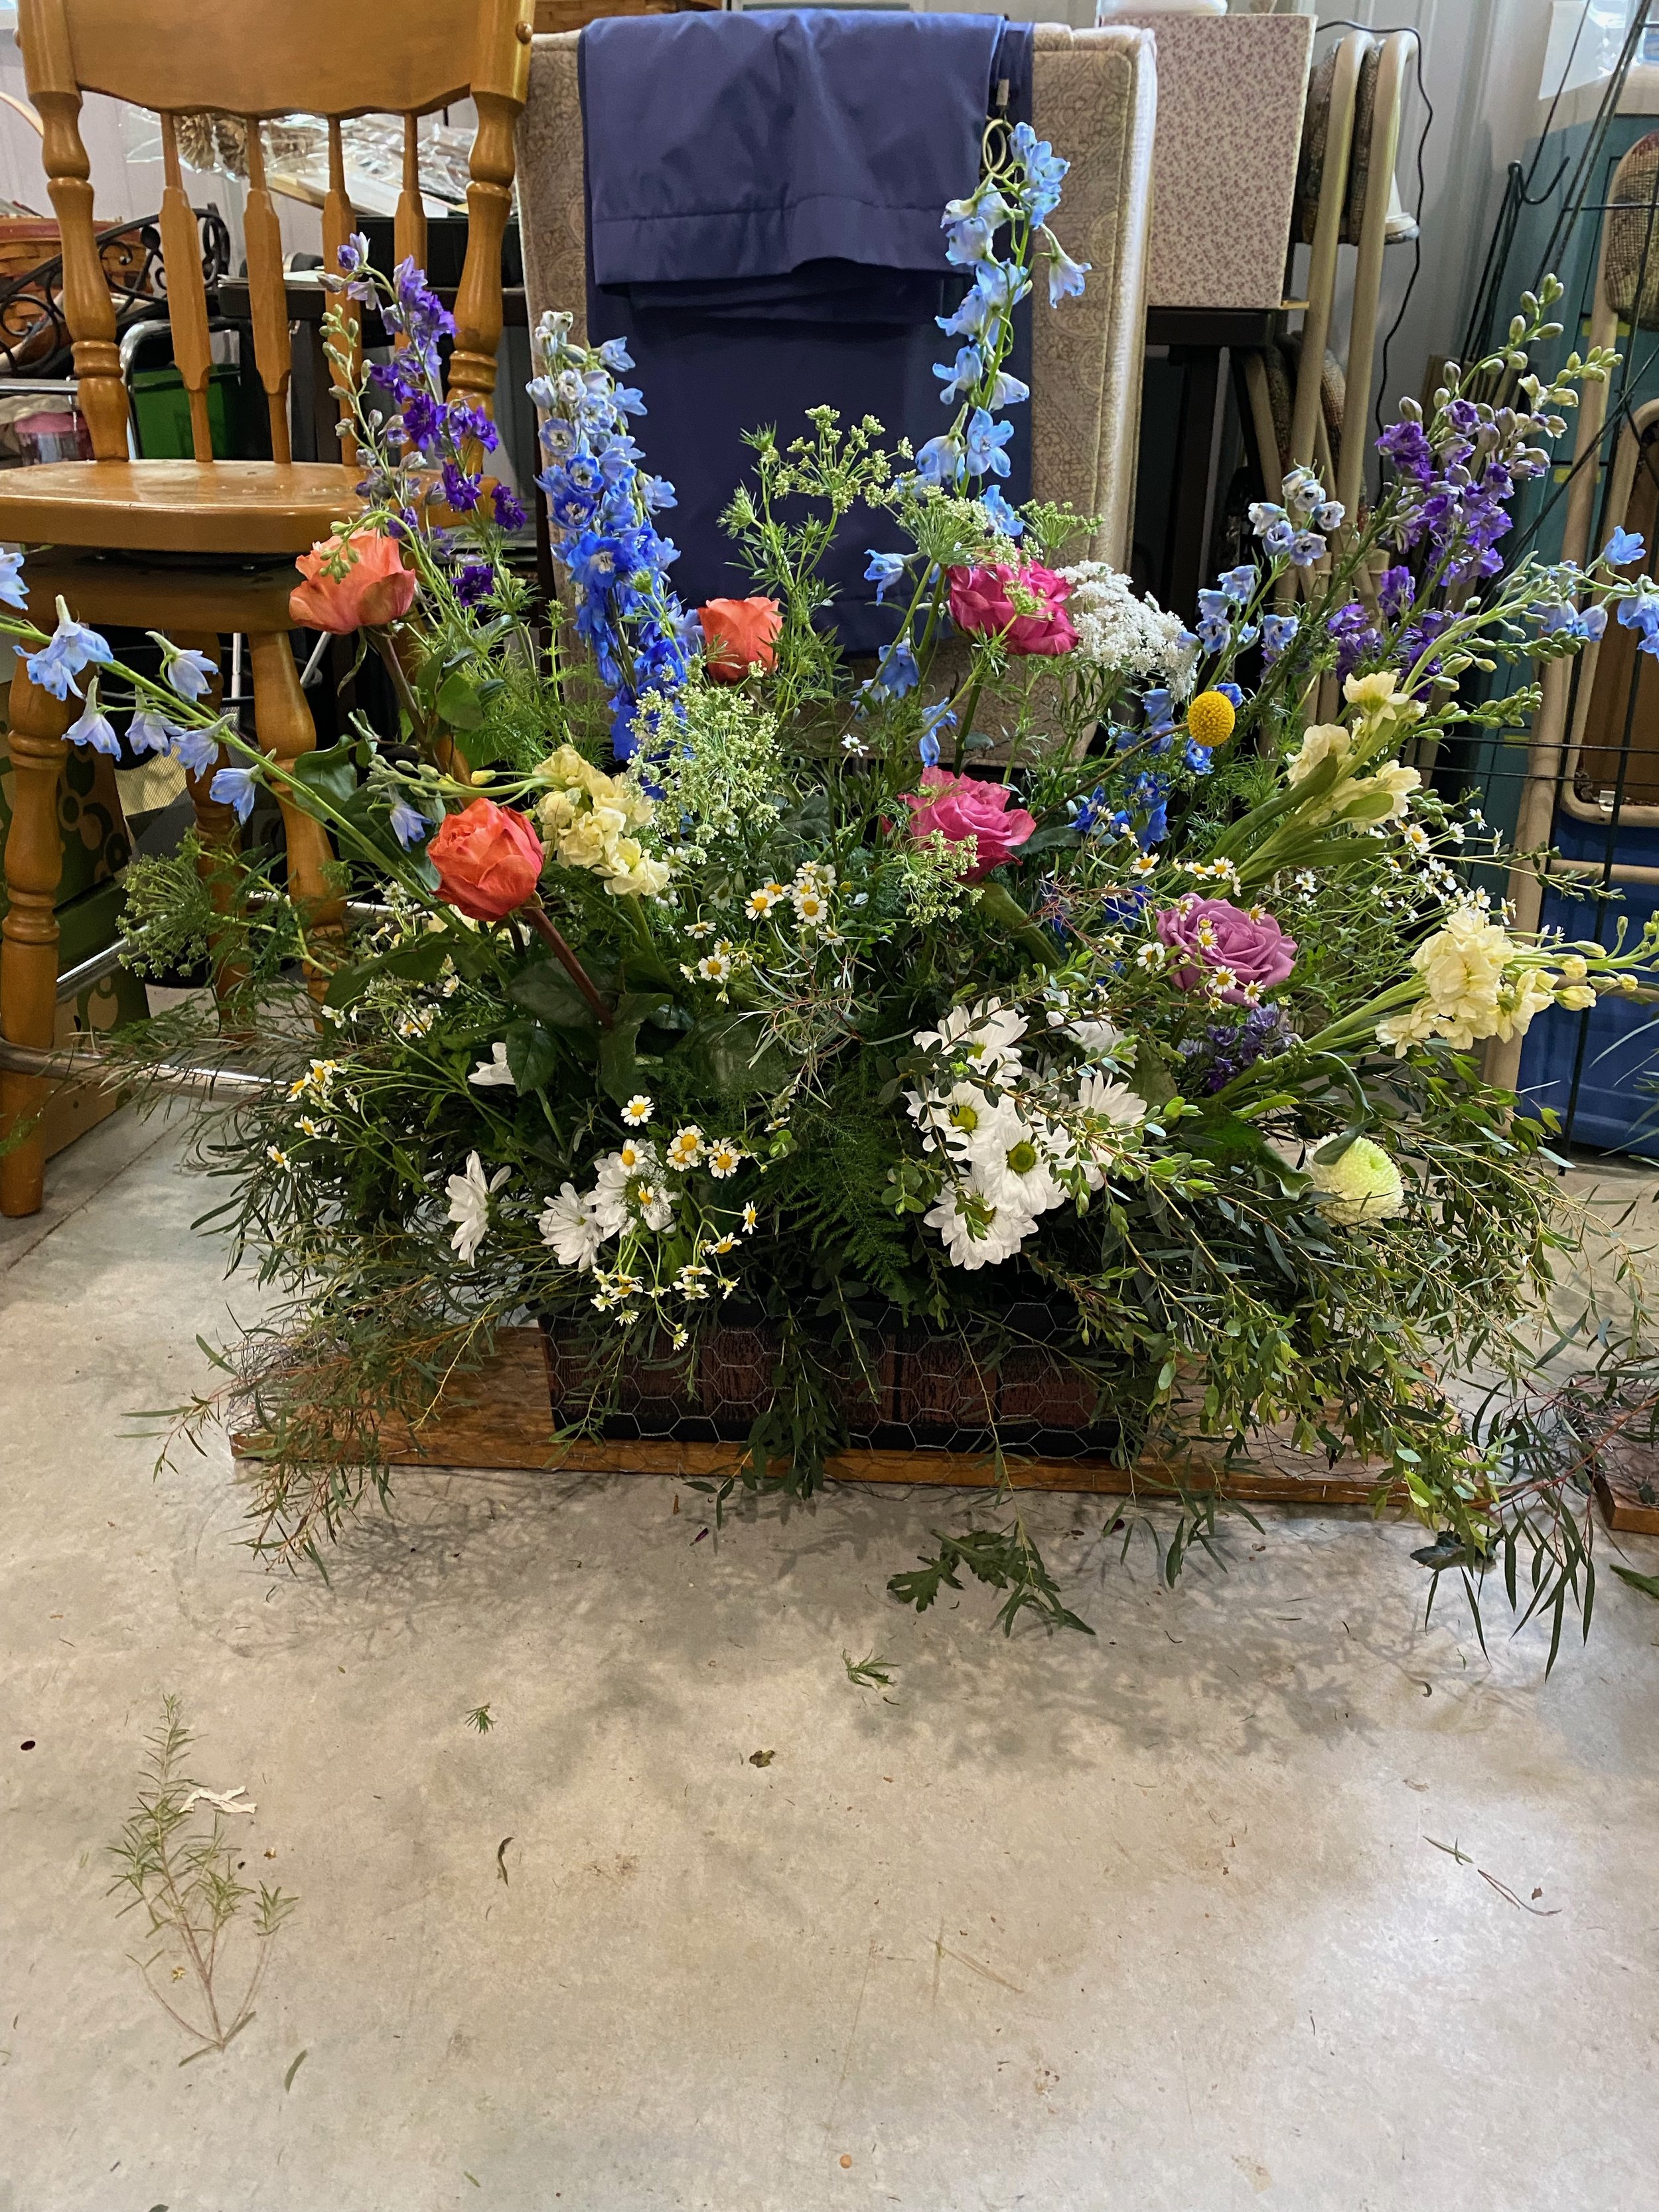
column 536, row 915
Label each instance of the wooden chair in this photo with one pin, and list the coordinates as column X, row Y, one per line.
column 227, row 532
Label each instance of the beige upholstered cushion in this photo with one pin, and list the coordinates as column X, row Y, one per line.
column 1094, row 95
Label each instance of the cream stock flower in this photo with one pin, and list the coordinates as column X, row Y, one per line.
column 1321, row 741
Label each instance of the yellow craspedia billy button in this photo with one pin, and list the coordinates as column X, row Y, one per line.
column 1210, row 719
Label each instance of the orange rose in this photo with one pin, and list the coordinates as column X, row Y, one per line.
column 488, row 860
column 737, row 633
column 375, row 589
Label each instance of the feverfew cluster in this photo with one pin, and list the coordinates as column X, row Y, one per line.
column 1011, row 1142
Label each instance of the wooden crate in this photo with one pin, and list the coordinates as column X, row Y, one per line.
column 1627, row 1487
column 502, row 1417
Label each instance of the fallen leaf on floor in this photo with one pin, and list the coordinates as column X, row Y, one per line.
column 762, row 1757
column 500, row 1861
column 288, row 2078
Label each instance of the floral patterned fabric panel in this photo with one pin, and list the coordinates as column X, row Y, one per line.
column 1230, row 100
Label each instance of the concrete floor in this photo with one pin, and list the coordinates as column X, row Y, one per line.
column 1149, row 1921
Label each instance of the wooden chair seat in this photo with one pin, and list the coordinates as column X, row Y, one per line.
column 177, row 507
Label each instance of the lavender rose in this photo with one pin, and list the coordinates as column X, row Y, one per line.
column 1214, row 933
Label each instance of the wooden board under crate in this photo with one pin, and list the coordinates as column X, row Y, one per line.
column 502, row 1417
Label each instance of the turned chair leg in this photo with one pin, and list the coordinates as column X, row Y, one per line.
column 286, row 729
column 29, row 936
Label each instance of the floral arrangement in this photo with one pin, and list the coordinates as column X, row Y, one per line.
column 1064, row 960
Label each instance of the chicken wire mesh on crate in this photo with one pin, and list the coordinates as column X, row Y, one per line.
column 896, row 1386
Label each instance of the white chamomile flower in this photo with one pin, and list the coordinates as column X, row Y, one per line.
column 686, row 1149
column 680, row 1338
column 638, row 1111
column 1416, row 836
column 727, row 1243
column 276, row 1155
column 312, row 1128
column 634, row 1156
column 415, row 1023
column 1149, row 956
column 656, row 1204
column 853, row 745
column 760, row 901
column 713, row 968
column 700, row 929
column 724, row 1159
column 810, row 905
column 494, row 1071
column 1144, row 863
column 751, row 1216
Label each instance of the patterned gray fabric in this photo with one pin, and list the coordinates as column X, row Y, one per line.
column 1095, row 97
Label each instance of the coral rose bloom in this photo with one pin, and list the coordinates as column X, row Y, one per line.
column 1215, row 933
column 737, row 633
column 488, row 860
column 375, row 589
column 1025, row 606
column 960, row 807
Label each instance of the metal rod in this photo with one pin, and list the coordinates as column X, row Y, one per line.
column 74, row 981
column 73, row 1066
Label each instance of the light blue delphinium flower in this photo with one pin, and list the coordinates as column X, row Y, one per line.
column 883, row 572
column 985, row 441
column 963, row 375
column 1007, row 390
column 149, row 731
column 1276, row 631
column 939, row 460
column 898, row 672
column 93, row 727
column 1004, row 520
column 1307, row 546
column 195, row 750
column 409, row 825
column 1624, row 547
column 237, row 788
column 69, row 650
column 1214, row 629
column 190, row 674
column 968, row 239
column 927, row 746
column 13, row 592
column 1329, row 514
column 1065, row 277
column 616, row 356
column 937, row 717
column 1238, row 583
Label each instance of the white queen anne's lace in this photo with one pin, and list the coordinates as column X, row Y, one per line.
column 1116, row 629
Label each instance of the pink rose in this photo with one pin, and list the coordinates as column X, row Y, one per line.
column 1026, row 606
column 960, row 807
column 1215, row 933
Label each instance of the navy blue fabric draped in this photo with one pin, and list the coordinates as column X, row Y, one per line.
column 763, row 201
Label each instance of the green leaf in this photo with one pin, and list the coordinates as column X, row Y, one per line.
column 618, row 1067
column 1648, row 1585
column 544, row 989
column 725, row 1049
column 331, row 775
column 418, row 961
column 533, row 1056
column 457, row 702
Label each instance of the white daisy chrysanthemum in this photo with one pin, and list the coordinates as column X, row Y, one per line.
column 638, row 1111
column 569, row 1226
column 713, row 968
column 724, row 1159
column 978, row 1231
column 468, row 1206
column 810, row 905
column 762, row 900
column 493, row 1072
column 986, row 1034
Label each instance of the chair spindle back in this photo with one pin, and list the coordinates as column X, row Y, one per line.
column 244, row 58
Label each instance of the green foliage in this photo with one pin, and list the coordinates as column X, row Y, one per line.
column 179, row 1871
column 1005, row 1558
